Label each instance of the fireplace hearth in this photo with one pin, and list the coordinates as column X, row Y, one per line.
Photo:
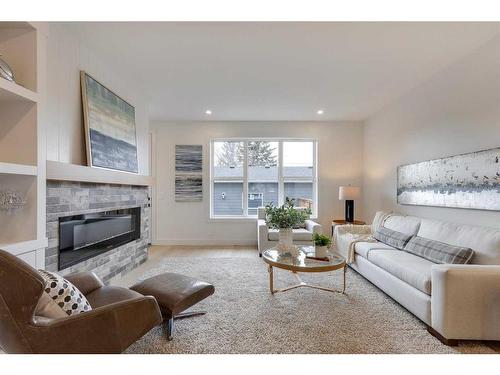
column 85, row 236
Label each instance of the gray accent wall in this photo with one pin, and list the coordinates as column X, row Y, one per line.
column 72, row 198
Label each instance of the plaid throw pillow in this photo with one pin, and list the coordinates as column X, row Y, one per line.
column 391, row 237
column 439, row 252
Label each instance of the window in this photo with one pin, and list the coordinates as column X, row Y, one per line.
column 251, row 173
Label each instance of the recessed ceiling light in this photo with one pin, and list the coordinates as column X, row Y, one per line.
column 208, row 112
column 320, row 111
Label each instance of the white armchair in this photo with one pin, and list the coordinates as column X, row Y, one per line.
column 268, row 238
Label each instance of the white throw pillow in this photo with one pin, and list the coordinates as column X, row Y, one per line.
column 64, row 294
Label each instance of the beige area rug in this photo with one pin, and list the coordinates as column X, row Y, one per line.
column 243, row 317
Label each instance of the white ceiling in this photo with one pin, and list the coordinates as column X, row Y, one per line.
column 280, row 71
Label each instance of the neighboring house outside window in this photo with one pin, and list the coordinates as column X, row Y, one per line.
column 249, row 173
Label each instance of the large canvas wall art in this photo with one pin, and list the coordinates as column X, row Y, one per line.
column 463, row 181
column 188, row 173
column 109, row 127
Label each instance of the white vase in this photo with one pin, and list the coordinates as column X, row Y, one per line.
column 320, row 251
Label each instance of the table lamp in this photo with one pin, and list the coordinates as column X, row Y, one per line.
column 349, row 194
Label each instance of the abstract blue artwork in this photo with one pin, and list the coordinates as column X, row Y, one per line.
column 110, row 127
column 464, row 181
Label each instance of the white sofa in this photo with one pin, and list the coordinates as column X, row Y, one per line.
column 268, row 238
column 456, row 302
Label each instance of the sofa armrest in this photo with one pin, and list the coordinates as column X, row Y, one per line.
column 344, row 235
column 107, row 329
column 465, row 301
column 313, row 227
column 86, row 282
column 262, row 235
column 352, row 229
column 262, row 226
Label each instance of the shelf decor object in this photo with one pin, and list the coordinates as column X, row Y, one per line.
column 11, row 200
column 349, row 194
column 188, row 173
column 464, row 181
column 109, row 127
column 5, row 70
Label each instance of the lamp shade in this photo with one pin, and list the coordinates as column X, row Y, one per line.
column 349, row 193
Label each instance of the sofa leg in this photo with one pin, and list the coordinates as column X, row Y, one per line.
column 260, row 254
column 444, row 340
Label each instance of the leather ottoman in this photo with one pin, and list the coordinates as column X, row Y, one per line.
column 174, row 294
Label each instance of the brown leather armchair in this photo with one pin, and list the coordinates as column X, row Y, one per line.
column 118, row 318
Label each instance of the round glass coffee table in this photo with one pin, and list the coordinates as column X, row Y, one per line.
column 302, row 263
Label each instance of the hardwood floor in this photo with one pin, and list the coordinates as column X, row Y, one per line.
column 202, row 251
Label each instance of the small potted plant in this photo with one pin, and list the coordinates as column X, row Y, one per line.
column 285, row 218
column 321, row 244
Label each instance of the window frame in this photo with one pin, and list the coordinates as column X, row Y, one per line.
column 281, row 178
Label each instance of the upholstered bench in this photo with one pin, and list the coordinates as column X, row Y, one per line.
column 175, row 293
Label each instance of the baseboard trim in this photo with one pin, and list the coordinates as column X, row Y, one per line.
column 205, row 242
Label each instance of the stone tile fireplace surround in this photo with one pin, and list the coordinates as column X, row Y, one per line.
column 72, row 198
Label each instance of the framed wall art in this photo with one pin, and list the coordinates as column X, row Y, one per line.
column 109, row 127
column 464, row 181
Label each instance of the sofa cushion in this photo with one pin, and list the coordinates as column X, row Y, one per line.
column 363, row 248
column 299, row 234
column 484, row 241
column 404, row 224
column 439, row 252
column 411, row 269
column 392, row 238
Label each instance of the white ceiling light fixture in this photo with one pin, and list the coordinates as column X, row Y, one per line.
column 208, row 112
column 320, row 112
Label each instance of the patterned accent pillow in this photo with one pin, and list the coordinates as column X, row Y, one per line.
column 392, row 238
column 64, row 294
column 439, row 252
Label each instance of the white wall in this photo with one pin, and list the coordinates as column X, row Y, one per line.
column 67, row 55
column 339, row 163
column 456, row 111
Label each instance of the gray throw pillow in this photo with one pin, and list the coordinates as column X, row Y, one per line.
column 392, row 238
column 439, row 252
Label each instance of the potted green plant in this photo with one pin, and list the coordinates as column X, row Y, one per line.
column 321, row 244
column 284, row 218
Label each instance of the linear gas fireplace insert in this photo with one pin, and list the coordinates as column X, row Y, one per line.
column 85, row 236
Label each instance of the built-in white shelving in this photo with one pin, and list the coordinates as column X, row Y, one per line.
column 19, row 169
column 22, row 247
column 22, row 142
column 11, row 91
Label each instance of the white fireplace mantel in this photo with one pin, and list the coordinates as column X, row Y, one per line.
column 72, row 172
